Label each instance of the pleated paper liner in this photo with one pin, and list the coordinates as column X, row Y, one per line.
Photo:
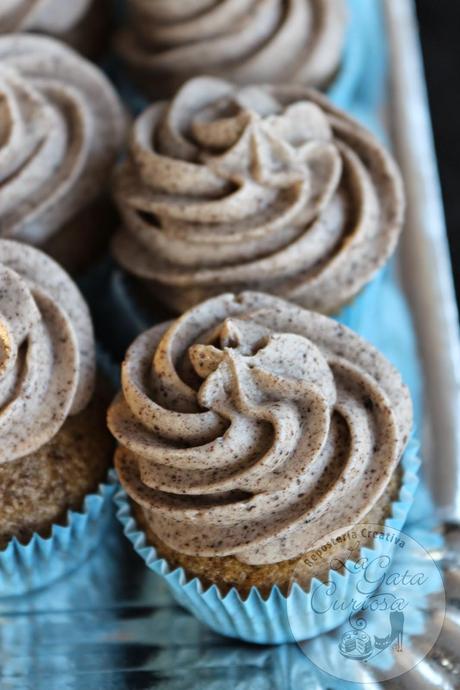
column 257, row 619
column 31, row 566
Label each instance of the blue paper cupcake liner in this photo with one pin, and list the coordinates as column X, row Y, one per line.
column 277, row 618
column 31, row 566
column 362, row 308
column 358, row 83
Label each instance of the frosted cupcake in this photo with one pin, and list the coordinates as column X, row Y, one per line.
column 55, row 449
column 267, row 188
column 250, row 41
column 81, row 23
column 62, row 127
column 252, row 432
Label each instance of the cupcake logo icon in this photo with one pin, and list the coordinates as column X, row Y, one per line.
column 376, row 604
column 357, row 643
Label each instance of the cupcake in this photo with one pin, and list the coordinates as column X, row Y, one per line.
column 83, row 24
column 167, row 42
column 252, row 433
column 263, row 188
column 55, row 449
column 62, row 127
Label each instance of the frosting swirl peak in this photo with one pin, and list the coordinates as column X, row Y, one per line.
column 258, row 187
column 254, row 428
column 47, row 354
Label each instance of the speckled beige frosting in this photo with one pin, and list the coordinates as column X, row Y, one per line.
column 249, row 41
column 61, row 127
column 47, row 354
column 269, row 188
column 49, row 16
column 254, row 428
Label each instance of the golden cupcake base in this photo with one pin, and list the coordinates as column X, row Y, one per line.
column 37, row 491
column 227, row 572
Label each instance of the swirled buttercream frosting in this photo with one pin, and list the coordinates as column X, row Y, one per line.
column 254, row 428
column 61, row 127
column 47, row 358
column 249, row 41
column 48, row 16
column 266, row 188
